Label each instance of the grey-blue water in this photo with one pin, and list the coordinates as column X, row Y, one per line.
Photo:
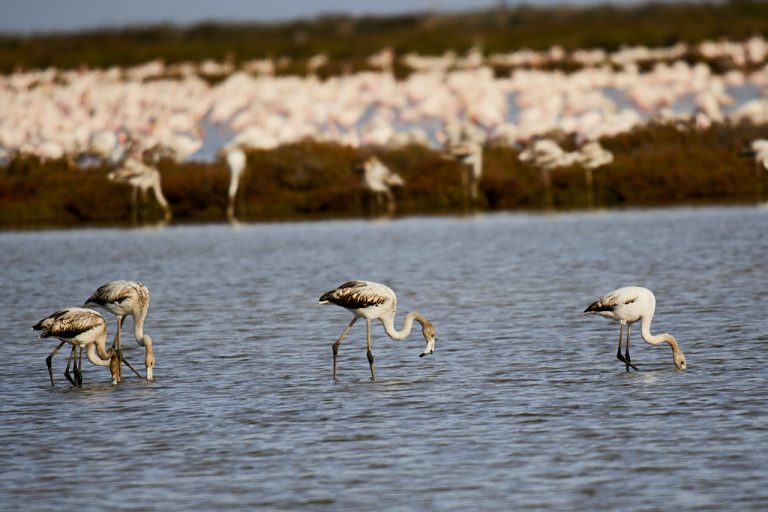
column 523, row 405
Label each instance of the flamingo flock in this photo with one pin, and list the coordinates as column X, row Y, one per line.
column 64, row 114
column 459, row 103
column 130, row 117
column 85, row 328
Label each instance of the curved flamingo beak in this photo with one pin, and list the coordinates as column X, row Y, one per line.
column 429, row 348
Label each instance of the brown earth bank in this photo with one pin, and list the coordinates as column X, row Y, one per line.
column 653, row 166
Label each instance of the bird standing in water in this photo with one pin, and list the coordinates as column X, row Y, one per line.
column 627, row 306
column 123, row 298
column 83, row 328
column 374, row 301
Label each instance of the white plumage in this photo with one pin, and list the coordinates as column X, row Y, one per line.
column 470, row 154
column 375, row 301
column 628, row 305
column 236, row 161
column 379, row 179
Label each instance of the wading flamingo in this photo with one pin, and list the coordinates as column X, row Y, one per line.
column 627, row 306
column 758, row 150
column 141, row 176
column 123, row 298
column 236, row 162
column 374, row 301
column 378, row 180
column 83, row 328
column 592, row 156
column 470, row 155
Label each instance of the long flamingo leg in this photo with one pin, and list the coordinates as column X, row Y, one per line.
column 335, row 346
column 70, row 359
column 79, row 368
column 618, row 350
column 50, row 357
column 370, row 354
column 132, row 368
column 619, row 355
column 116, row 346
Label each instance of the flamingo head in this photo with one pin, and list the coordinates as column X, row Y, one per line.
column 679, row 358
column 149, row 358
column 430, row 336
column 114, row 367
column 677, row 352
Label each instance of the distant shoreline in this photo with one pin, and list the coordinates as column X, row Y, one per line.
column 657, row 165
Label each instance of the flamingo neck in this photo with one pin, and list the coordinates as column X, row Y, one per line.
column 234, row 181
column 645, row 331
column 97, row 354
column 655, row 339
column 138, row 326
column 389, row 325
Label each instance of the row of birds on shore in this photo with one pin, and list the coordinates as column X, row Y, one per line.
column 462, row 145
column 85, row 328
column 378, row 180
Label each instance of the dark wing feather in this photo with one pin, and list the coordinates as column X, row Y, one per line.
column 608, row 303
column 353, row 295
column 107, row 293
column 68, row 323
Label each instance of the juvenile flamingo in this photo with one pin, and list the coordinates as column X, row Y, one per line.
column 83, row 328
column 378, row 179
column 627, row 306
column 375, row 301
column 141, row 176
column 123, row 298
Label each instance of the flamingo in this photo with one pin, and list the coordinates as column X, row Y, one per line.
column 375, row 301
column 83, row 328
column 592, row 156
column 140, row 176
column 470, row 154
column 378, row 179
column 758, row 150
column 628, row 305
column 236, row 163
column 123, row 298
column 546, row 154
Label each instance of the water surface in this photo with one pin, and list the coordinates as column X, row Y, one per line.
column 523, row 405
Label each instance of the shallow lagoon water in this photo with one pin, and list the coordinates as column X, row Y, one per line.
column 523, row 405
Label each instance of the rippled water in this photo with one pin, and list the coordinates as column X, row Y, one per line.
column 523, row 405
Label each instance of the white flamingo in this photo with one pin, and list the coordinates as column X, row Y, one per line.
column 627, row 306
column 758, row 150
column 545, row 155
column 141, row 176
column 592, row 156
column 123, row 298
column 83, row 328
column 236, row 162
column 378, row 179
column 374, row 301
column 470, row 154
